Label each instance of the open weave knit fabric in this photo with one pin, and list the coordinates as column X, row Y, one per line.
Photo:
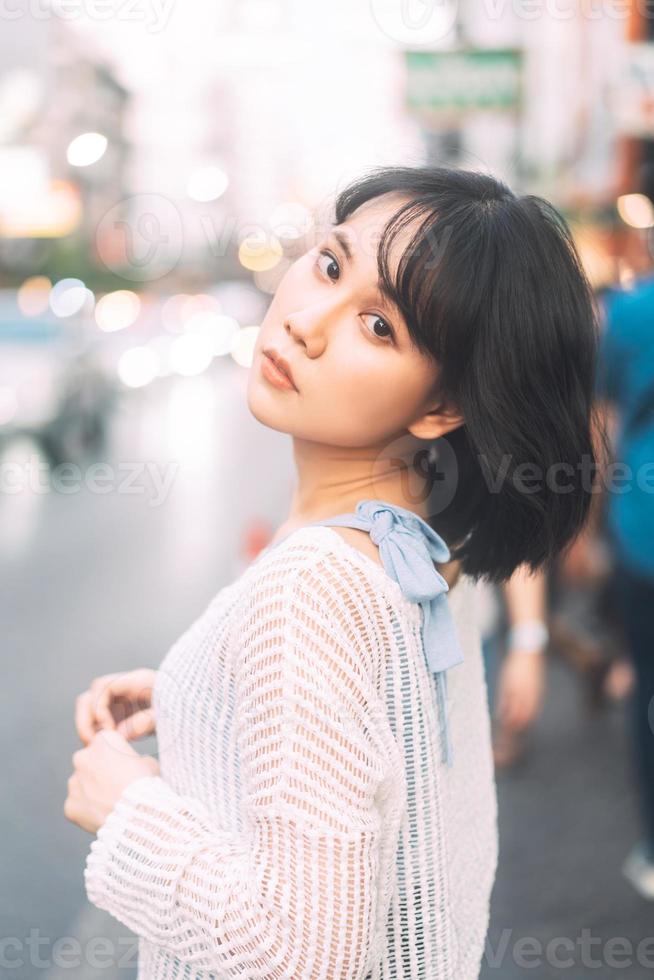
column 303, row 824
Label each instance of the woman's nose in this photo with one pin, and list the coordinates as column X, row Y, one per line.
column 307, row 328
column 314, row 323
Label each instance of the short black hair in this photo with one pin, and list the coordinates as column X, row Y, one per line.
column 492, row 287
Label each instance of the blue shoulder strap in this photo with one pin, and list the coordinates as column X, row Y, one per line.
column 408, row 547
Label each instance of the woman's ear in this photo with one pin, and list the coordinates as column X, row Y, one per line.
column 437, row 422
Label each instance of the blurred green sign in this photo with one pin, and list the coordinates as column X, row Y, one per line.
column 462, row 80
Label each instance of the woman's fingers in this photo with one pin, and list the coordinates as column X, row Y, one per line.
column 111, row 697
column 103, row 691
column 84, row 717
column 137, row 725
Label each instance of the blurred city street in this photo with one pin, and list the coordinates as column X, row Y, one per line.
column 101, row 582
column 567, row 816
column 93, row 583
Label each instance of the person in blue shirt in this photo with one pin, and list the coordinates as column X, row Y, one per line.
column 625, row 380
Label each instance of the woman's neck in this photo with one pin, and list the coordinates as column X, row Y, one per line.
column 332, row 479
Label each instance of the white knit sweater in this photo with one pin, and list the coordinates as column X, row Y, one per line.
column 303, row 825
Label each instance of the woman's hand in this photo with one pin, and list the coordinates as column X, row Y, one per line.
column 102, row 771
column 520, row 689
column 117, row 701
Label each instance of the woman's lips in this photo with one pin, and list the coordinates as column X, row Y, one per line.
column 273, row 374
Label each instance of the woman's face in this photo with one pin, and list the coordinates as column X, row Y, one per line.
column 359, row 380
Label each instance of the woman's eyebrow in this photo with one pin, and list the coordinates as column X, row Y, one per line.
column 342, row 240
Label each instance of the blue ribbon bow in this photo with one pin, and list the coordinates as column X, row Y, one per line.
column 408, row 547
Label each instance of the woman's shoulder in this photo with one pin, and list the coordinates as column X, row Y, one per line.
column 315, row 583
column 314, row 591
column 345, row 558
column 354, row 557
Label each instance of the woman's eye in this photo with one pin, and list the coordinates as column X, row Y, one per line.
column 326, row 266
column 376, row 322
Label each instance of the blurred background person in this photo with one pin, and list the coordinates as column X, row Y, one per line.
column 626, row 383
column 514, row 640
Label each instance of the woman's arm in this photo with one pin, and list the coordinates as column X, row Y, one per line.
column 294, row 893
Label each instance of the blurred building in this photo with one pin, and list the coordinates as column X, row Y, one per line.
column 220, row 116
column 52, row 91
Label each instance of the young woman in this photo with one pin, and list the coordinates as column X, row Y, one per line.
column 324, row 804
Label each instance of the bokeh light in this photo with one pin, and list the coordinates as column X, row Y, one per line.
column 70, row 296
column 191, row 353
column 260, row 252
column 198, row 303
column 636, row 210
column 207, row 184
column 172, row 312
column 137, row 366
column 85, row 149
column 218, row 328
column 34, row 295
column 117, row 310
column 267, row 280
